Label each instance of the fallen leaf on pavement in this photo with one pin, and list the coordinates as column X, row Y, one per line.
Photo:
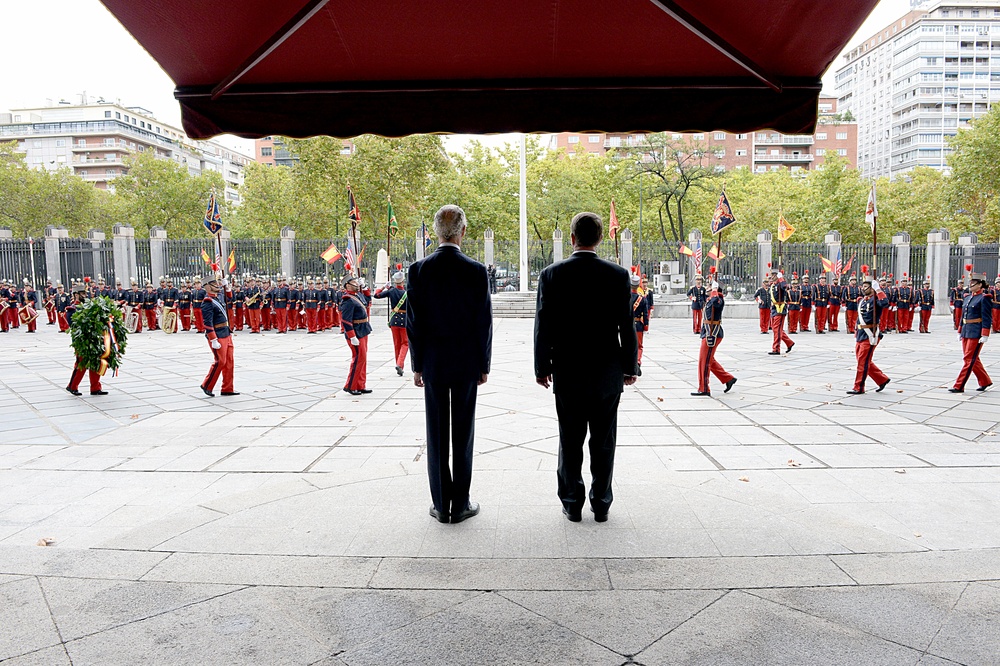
column 917, row 534
column 343, row 418
column 658, row 399
column 134, row 417
column 255, row 418
column 792, row 463
column 899, row 390
column 900, row 471
column 46, row 541
column 745, row 479
column 787, row 384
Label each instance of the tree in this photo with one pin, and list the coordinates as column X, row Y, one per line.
column 268, row 202
column 975, row 180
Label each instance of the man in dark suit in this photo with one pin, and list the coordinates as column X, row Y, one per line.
column 449, row 325
column 587, row 365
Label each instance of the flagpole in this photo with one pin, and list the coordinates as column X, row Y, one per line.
column 388, row 236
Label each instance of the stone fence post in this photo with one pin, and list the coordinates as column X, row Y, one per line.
column 100, row 270
column 694, row 242
column 764, row 257
column 419, row 247
column 157, row 254
column 626, row 250
column 123, row 249
column 833, row 247
column 557, row 246
column 488, row 250
column 287, row 251
column 938, row 259
column 53, row 261
column 901, row 257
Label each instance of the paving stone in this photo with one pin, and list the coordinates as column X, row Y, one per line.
column 491, row 574
column 24, row 616
column 52, row 656
column 924, row 567
column 36, row 561
column 265, row 570
column 721, row 573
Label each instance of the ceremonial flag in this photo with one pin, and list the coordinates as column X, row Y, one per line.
column 204, row 257
column 613, row 224
column 685, row 250
column 361, row 255
column 838, row 265
column 393, row 225
column 871, row 212
column 427, row 237
column 723, row 216
column 354, row 215
column 697, row 257
column 213, row 219
column 348, row 256
column 231, row 266
column 716, row 253
column 785, row 230
column 827, row 264
column 332, row 254
column 847, row 267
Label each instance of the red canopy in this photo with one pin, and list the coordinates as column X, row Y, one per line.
column 307, row 67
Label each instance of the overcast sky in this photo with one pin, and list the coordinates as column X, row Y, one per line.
column 59, row 49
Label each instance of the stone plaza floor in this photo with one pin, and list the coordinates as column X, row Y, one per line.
column 782, row 523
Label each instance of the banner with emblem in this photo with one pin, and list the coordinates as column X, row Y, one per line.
column 785, row 230
column 393, row 224
column 871, row 210
column 723, row 216
column 213, row 218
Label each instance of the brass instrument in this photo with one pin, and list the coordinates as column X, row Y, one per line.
column 131, row 319
column 169, row 321
column 250, row 300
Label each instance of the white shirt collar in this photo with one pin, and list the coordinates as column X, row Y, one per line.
column 584, row 252
column 446, row 244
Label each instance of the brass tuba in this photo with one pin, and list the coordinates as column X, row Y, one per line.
column 131, row 319
column 169, row 320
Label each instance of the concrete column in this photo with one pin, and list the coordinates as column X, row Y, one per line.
column 100, row 270
column 833, row 244
column 938, row 258
column 6, row 233
column 224, row 236
column 694, row 242
column 488, row 252
column 967, row 242
column 764, row 260
column 557, row 246
column 53, row 261
column 420, row 244
column 123, row 247
column 901, row 257
column 287, row 251
column 157, row 253
column 626, row 249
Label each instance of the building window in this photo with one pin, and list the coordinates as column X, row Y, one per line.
column 842, row 152
column 594, row 138
column 60, row 143
column 118, row 115
column 573, row 139
column 741, row 137
column 821, row 151
column 265, row 151
column 83, row 173
column 107, row 114
column 719, row 154
column 741, row 152
column 698, row 137
column 81, row 142
column 821, row 136
column 17, row 119
column 720, row 136
column 126, row 117
column 109, row 172
column 841, row 136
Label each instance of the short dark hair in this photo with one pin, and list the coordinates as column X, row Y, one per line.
column 587, row 228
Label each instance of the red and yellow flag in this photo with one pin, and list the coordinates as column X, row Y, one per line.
column 785, row 230
column 613, row 224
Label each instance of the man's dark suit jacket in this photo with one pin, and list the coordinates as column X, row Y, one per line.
column 584, row 333
column 449, row 318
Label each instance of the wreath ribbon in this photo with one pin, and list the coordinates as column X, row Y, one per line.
column 110, row 343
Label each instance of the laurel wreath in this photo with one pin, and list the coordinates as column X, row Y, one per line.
column 93, row 324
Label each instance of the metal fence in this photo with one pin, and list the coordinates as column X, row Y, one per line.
column 16, row 260
column 256, row 256
column 142, row 261
column 82, row 257
column 918, row 263
column 797, row 258
column 987, row 260
column 860, row 254
column 184, row 257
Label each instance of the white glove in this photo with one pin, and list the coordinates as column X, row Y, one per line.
column 355, row 341
column 959, row 337
column 216, row 344
column 951, row 307
column 225, row 283
column 983, row 339
column 781, row 276
column 361, row 283
column 715, row 286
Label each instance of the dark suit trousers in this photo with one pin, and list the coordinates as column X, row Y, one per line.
column 575, row 415
column 451, row 408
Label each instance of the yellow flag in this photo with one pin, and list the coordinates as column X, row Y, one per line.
column 785, row 230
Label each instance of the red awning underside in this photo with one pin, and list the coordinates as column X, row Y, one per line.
column 397, row 68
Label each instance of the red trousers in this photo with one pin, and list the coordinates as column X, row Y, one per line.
column 851, row 316
column 764, row 314
column 804, row 315
column 793, row 321
column 357, row 374
column 293, row 319
column 13, row 319
column 401, row 344
column 222, row 365
column 996, row 318
column 957, row 316
column 638, row 337
column 972, row 364
column 883, row 323
column 708, row 365
column 239, row 314
column 281, row 319
column 907, row 315
column 231, row 313
column 253, row 319
column 63, row 322
column 5, row 320
column 185, row 318
column 312, row 320
column 821, row 317
column 864, row 351
column 150, row 319
column 835, row 318
column 778, row 329
column 925, row 320
column 50, row 312
column 199, row 321
column 265, row 318
column 696, row 320
column 335, row 316
column 77, row 377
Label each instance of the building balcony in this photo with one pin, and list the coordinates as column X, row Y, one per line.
column 83, row 162
column 98, row 177
column 100, row 147
column 785, row 157
column 786, row 141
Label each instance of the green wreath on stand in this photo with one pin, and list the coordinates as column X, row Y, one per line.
column 98, row 335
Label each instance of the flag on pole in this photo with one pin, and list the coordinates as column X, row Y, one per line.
column 785, row 230
column 613, row 224
column 361, row 255
column 213, row 218
column 204, row 256
column 827, row 264
column 427, row 236
column 393, row 225
column 723, row 216
column 348, row 255
column 686, row 251
column 231, row 265
column 354, row 214
column 838, row 265
column 716, row 253
column 331, row 254
column 697, row 257
column 847, row 266
column 871, row 211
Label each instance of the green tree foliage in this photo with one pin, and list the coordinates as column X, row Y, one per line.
column 269, row 202
column 158, row 192
column 975, row 179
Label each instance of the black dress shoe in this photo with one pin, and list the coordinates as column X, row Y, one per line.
column 352, row 391
column 468, row 512
column 774, row 353
column 882, row 385
column 701, row 393
column 638, row 372
column 730, row 384
column 440, row 516
column 365, row 391
column 73, row 391
column 572, row 516
column 820, row 332
column 789, row 347
column 98, row 393
column 853, row 392
column 599, row 516
column 230, row 393
column 955, row 390
column 399, row 371
column 983, row 388
column 207, row 392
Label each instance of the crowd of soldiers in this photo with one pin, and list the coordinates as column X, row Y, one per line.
column 18, row 305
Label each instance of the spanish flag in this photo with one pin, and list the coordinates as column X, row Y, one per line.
column 828, row 266
column 716, row 253
column 685, row 250
column 204, row 257
column 331, row 254
column 231, row 265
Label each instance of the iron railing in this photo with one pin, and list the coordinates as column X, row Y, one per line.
column 16, row 260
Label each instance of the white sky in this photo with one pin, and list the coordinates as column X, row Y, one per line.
column 58, row 49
